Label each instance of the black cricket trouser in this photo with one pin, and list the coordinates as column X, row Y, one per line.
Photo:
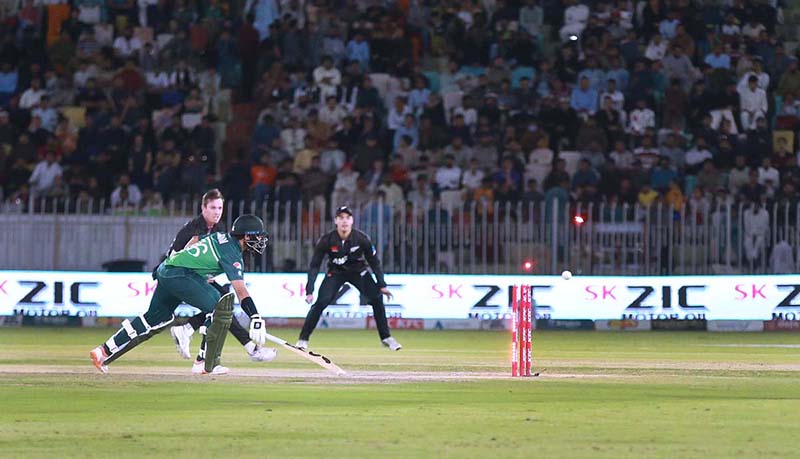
column 236, row 329
column 365, row 284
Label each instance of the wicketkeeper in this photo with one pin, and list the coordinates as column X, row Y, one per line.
column 182, row 278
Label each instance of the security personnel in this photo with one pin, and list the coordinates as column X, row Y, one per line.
column 351, row 255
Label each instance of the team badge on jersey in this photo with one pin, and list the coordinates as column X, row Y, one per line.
column 237, row 265
column 335, row 249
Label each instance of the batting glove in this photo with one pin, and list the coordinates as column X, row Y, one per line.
column 258, row 329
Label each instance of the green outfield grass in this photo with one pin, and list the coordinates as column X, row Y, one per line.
column 605, row 395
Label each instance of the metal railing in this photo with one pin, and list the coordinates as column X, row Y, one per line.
column 536, row 237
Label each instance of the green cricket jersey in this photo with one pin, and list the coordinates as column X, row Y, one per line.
column 213, row 254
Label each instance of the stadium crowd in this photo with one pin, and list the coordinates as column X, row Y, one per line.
column 416, row 100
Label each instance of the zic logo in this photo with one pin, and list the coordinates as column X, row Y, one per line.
column 339, row 260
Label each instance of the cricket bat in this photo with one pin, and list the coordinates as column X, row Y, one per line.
column 319, row 359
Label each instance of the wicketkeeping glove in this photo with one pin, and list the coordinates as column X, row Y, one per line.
column 258, row 329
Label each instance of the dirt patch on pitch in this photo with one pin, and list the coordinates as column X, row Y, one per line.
column 549, row 370
column 272, row 374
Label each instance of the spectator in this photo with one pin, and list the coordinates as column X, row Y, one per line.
column 647, row 153
column 677, row 65
column 584, row 98
column 756, row 228
column 675, row 153
column 315, row 183
column 623, row 158
column 358, row 50
column 366, row 153
column 9, row 76
column 368, row 97
column 418, row 97
column 767, row 173
column 332, row 158
column 676, row 104
column 46, row 114
column 762, row 77
column 263, row 176
column 753, row 103
column 585, row 180
column 484, row 196
column 126, row 193
column 126, row 45
column 344, row 186
column 662, row 175
column 739, row 175
column 399, row 172
column 332, row 113
column 531, row 18
column 709, row 177
column 374, row 176
column 615, row 96
column 32, row 96
column 752, row 191
column 293, row 136
column 597, row 77
column 790, row 80
column 641, row 118
column 508, row 181
column 448, row 176
column 406, row 150
column 421, row 196
column 472, row 177
column 674, row 198
column 392, row 191
column 656, row 49
column 697, row 156
column 718, row 59
column 327, row 78
column 669, row 25
column 576, row 16
column 407, row 129
column 44, row 175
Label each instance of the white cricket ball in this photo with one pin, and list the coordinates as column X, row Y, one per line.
column 566, row 275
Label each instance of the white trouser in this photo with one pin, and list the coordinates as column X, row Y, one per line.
column 748, row 119
column 753, row 246
column 718, row 115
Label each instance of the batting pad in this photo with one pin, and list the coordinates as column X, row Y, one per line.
column 218, row 330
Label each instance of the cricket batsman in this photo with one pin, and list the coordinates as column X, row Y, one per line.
column 351, row 256
column 182, row 278
column 209, row 222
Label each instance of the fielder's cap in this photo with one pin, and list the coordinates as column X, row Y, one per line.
column 344, row 210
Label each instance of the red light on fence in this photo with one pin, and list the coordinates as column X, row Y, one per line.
column 578, row 220
column 528, row 265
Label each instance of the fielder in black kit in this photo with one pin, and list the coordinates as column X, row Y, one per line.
column 351, row 255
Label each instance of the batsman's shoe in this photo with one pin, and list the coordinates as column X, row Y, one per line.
column 218, row 370
column 183, row 338
column 99, row 356
column 302, row 344
column 392, row 344
column 199, row 367
column 264, row 354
